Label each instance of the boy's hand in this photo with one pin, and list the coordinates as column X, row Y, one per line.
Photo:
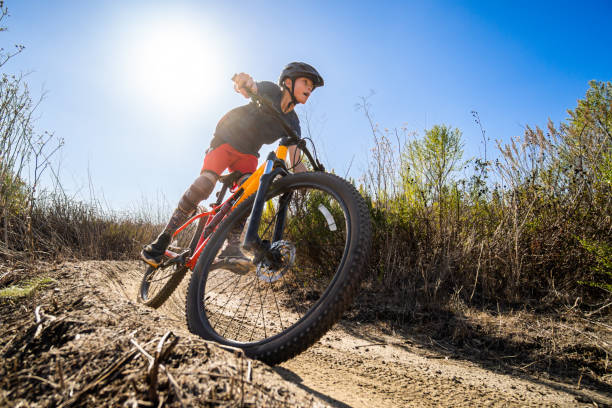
column 242, row 82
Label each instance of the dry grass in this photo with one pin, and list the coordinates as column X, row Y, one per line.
column 84, row 349
column 532, row 227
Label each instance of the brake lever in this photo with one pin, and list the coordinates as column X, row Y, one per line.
column 263, row 101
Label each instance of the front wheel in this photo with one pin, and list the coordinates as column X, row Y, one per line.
column 318, row 229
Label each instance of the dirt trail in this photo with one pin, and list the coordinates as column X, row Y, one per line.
column 358, row 366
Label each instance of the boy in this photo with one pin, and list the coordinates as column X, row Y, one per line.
column 238, row 137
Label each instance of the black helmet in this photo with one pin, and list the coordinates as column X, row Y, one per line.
column 301, row 69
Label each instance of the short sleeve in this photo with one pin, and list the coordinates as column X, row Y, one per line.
column 268, row 89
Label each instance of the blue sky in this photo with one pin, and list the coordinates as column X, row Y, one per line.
column 135, row 88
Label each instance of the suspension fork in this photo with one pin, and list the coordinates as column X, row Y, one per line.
column 252, row 241
column 281, row 215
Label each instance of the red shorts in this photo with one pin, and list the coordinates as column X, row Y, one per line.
column 226, row 157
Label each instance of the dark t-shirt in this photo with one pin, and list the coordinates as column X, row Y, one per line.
column 246, row 128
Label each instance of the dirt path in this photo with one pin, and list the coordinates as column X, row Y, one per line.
column 359, row 366
column 382, row 371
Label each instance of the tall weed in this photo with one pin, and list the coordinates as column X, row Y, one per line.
column 534, row 235
column 35, row 223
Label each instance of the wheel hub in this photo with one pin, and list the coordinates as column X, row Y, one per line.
column 281, row 258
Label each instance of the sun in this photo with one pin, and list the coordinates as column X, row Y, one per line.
column 172, row 65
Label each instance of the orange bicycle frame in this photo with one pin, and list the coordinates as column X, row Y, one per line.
column 251, row 185
column 248, row 188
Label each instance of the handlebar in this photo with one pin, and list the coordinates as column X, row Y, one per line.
column 293, row 138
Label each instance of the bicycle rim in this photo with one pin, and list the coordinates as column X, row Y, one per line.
column 269, row 301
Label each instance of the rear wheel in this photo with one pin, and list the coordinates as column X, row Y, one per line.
column 286, row 301
column 158, row 283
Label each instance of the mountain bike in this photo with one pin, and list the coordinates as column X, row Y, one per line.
column 307, row 240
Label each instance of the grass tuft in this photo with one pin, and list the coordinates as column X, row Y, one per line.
column 25, row 288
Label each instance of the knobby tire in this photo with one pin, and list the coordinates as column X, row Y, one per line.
column 209, row 313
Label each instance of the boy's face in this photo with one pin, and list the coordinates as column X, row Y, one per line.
column 303, row 88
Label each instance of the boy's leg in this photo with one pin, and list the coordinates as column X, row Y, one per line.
column 245, row 163
column 215, row 162
column 199, row 190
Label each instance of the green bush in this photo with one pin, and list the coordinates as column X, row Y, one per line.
column 529, row 227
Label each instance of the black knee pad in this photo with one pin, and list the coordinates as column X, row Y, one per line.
column 199, row 190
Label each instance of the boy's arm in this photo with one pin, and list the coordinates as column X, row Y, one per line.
column 242, row 82
column 295, row 162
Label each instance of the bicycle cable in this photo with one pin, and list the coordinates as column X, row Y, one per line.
column 261, row 102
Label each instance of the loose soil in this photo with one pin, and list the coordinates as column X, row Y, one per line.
column 85, row 341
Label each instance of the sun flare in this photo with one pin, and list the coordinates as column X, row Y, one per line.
column 172, row 65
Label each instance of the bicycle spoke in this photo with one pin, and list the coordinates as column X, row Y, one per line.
column 220, row 313
column 280, row 318
column 261, row 312
column 270, row 300
column 212, row 289
column 161, row 278
column 292, row 297
column 236, row 312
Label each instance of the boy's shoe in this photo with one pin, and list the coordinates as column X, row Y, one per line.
column 232, row 250
column 232, row 258
column 153, row 253
column 239, row 266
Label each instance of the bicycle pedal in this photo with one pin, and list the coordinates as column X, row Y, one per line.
column 180, row 258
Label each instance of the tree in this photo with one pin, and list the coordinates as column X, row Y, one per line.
column 429, row 163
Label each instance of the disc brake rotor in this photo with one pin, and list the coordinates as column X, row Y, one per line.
column 271, row 273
